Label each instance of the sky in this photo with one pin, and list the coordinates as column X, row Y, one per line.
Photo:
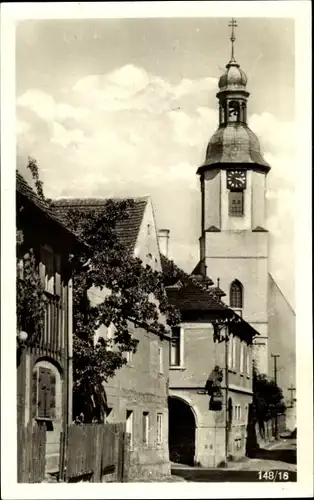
column 126, row 107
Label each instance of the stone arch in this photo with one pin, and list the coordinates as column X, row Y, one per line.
column 182, row 431
column 194, row 409
column 52, row 419
column 49, row 365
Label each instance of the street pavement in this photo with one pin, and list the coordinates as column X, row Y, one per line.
column 277, row 456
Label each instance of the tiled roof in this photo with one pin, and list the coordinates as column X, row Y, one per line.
column 127, row 229
column 191, row 295
column 24, row 189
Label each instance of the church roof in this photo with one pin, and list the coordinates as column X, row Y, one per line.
column 234, row 144
column 127, row 228
column 233, row 78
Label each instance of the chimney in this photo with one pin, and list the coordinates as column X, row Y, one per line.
column 163, row 238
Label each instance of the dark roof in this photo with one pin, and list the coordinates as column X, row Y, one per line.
column 218, row 291
column 191, row 295
column 191, row 298
column 234, row 144
column 25, row 190
column 127, row 229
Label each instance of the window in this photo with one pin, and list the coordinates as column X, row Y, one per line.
column 44, row 394
column 50, row 269
column 236, row 203
column 161, row 360
column 230, row 351
column 237, row 412
column 145, row 427
column 242, row 348
column 159, row 428
column 236, row 295
column 176, row 347
column 129, row 425
column 248, row 361
column 232, row 354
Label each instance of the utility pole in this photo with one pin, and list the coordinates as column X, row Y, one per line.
column 226, row 393
column 275, row 356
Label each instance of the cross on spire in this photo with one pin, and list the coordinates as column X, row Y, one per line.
column 232, row 24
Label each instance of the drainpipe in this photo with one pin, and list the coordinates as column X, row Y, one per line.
column 226, row 394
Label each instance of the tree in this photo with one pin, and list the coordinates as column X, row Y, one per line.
column 267, row 398
column 134, row 297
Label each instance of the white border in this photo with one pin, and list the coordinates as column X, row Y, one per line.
column 301, row 12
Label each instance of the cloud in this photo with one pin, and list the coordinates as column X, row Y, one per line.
column 132, row 133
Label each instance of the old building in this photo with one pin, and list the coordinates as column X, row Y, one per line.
column 234, row 244
column 138, row 392
column 201, row 433
column 44, row 370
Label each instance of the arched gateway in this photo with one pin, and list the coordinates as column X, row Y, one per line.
column 181, row 431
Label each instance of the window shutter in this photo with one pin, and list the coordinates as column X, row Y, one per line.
column 52, row 395
column 34, row 392
column 44, row 390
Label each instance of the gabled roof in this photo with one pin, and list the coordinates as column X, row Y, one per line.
column 25, row 190
column 127, row 229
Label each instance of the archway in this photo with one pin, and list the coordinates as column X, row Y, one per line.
column 181, row 431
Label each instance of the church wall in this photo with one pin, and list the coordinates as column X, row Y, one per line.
column 261, row 348
column 258, row 199
column 212, row 216
column 282, row 338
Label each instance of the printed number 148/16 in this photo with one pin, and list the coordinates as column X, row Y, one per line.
column 273, row 475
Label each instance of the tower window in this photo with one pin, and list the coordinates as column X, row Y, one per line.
column 236, row 203
column 236, row 295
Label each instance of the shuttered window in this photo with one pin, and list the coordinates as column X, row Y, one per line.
column 43, row 394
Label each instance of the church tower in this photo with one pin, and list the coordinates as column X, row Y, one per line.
column 234, row 240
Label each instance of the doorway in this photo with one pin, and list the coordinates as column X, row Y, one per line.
column 181, row 432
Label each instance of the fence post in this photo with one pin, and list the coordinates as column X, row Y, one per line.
column 126, row 456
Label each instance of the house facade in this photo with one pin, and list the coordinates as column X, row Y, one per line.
column 138, row 393
column 44, row 364
column 199, row 433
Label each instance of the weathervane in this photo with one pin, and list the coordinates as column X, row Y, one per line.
column 232, row 25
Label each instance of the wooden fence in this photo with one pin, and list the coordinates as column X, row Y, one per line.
column 96, row 453
column 31, row 453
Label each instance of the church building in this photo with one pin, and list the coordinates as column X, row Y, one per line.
column 234, row 244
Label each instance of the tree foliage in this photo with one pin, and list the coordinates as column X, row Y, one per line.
column 30, row 299
column 133, row 296
column 267, row 397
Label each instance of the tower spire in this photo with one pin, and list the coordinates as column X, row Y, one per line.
column 232, row 25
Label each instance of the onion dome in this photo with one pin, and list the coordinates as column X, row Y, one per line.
column 232, row 79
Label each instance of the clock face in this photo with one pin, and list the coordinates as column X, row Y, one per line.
column 236, row 179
